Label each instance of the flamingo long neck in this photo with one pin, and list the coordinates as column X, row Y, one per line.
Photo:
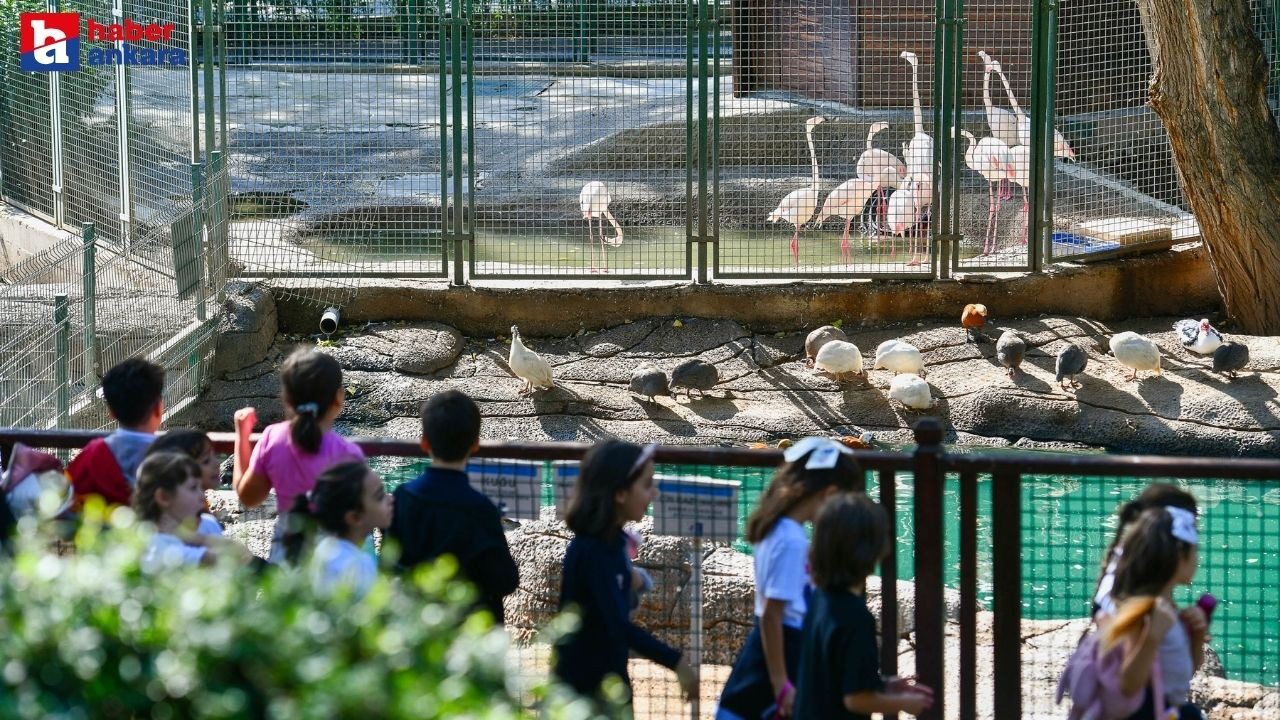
column 813, row 155
column 616, row 227
column 1013, row 101
column 986, row 87
column 969, row 151
column 917, row 113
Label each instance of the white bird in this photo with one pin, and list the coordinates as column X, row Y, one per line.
column 882, row 166
column 1020, row 164
column 798, row 206
column 528, row 365
column 1003, row 123
column 990, row 158
column 1198, row 337
column 919, row 150
column 904, row 217
column 1061, row 148
column 847, row 200
column 594, row 202
column 911, row 390
column 839, row 358
column 899, row 357
column 1135, row 351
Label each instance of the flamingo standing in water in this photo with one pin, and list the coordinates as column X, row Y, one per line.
column 798, row 206
column 1061, row 148
column 904, row 216
column 847, row 201
column 1003, row 123
column 594, row 202
column 990, row 158
column 919, row 156
column 882, row 166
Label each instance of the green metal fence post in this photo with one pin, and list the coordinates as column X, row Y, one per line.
column 1040, row 115
column 197, row 232
column 92, row 364
column 55, row 137
column 704, row 146
column 207, row 62
column 715, row 129
column 942, row 225
column 194, row 82
column 122, row 141
column 690, row 146
column 61, row 360
column 1050, row 168
column 470, row 219
column 446, row 231
column 222, row 74
column 457, row 28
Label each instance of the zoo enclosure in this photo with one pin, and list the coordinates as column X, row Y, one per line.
column 965, row 522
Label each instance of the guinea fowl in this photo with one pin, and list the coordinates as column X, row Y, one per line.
column 648, row 380
column 693, row 375
column 839, row 358
column 899, row 357
column 1071, row 361
column 1198, row 337
column 1010, row 350
column 528, row 365
column 973, row 317
column 816, row 339
column 1230, row 357
column 910, row 390
column 1135, row 351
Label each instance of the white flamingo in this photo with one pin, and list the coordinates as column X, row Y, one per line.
column 990, row 158
column 919, row 150
column 594, row 202
column 882, row 166
column 904, row 216
column 1020, row 161
column 798, row 206
column 1003, row 123
column 1061, row 148
column 847, row 201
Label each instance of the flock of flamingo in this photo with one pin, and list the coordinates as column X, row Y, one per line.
column 901, row 188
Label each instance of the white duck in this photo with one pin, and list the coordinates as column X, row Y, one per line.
column 1198, row 337
column 1135, row 351
column 839, row 358
column 798, row 206
column 899, row 357
column 528, row 365
column 990, row 158
column 911, row 390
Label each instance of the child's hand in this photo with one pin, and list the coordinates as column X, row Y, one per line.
column 915, row 701
column 1194, row 621
column 896, row 685
column 1163, row 615
column 637, row 580
column 246, row 418
column 688, row 679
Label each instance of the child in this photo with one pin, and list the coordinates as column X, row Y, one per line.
column 107, row 467
column 347, row 503
column 839, row 674
column 1159, row 551
column 615, row 487
column 195, row 445
column 291, row 454
column 169, row 495
column 440, row 513
column 761, row 677
column 1155, row 495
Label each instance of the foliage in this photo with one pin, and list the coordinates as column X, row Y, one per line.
column 89, row 635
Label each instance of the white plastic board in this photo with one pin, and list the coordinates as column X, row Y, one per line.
column 515, row 486
column 696, row 507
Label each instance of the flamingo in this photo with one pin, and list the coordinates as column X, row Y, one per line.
column 1020, row 173
column 594, row 201
column 847, row 201
column 990, row 158
column 882, row 166
column 919, row 150
column 798, row 206
column 904, row 215
column 1003, row 123
column 1061, row 148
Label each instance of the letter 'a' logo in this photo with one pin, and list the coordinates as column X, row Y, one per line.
column 49, row 41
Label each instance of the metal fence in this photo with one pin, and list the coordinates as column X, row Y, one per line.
column 989, row 540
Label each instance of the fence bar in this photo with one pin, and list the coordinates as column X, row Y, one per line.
column 222, row 74
column 55, row 138
column 61, row 360
column 1035, row 213
column 1050, row 61
column 714, row 202
column 444, row 79
column 930, row 617
column 122, row 137
column 968, row 594
column 704, row 146
column 889, row 582
column 194, row 82
column 197, row 230
column 695, row 614
column 207, row 62
column 92, row 364
column 456, row 29
column 1006, row 561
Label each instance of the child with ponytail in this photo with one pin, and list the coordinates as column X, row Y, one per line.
column 763, row 675
column 291, row 454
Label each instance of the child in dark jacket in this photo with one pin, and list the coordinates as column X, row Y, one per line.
column 440, row 513
column 107, row 467
column 615, row 487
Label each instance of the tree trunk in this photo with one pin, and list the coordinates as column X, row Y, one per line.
column 1209, row 89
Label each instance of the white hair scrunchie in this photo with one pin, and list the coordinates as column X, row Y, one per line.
column 1184, row 525
column 825, row 452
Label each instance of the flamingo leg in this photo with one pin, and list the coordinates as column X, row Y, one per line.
column 844, row 241
column 604, row 257
column 991, row 216
column 795, row 246
column 1026, row 214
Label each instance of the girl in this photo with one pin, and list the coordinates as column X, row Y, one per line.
column 1159, row 551
column 840, row 663
column 347, row 503
column 761, row 677
column 291, row 454
column 615, row 487
column 168, row 495
column 195, row 445
column 1156, row 495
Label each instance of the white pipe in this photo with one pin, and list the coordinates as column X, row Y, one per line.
column 329, row 320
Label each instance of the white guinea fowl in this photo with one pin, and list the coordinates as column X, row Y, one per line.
column 1198, row 337
column 839, row 358
column 911, row 390
column 528, row 365
column 1135, row 351
column 899, row 357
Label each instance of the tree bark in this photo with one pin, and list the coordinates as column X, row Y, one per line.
column 1209, row 89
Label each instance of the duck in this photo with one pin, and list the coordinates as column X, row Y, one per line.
column 648, row 380
column 1230, row 357
column 1010, row 350
column 528, row 365
column 973, row 317
column 899, row 357
column 1070, row 362
column 1198, row 337
column 865, row 441
column 911, row 390
column 693, row 375
column 1135, row 351
column 839, row 358
column 816, row 339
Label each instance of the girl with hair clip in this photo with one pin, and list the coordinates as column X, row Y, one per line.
column 1156, row 495
column 615, row 487
column 168, row 495
column 291, row 454
column 346, row 504
column 761, row 679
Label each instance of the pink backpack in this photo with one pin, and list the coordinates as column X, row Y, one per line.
column 1093, row 684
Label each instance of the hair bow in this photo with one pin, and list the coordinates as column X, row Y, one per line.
column 823, row 452
column 308, row 409
column 1184, row 525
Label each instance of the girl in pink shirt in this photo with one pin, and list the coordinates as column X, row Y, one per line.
column 291, row 454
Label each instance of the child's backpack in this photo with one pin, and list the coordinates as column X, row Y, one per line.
column 1092, row 681
column 30, row 474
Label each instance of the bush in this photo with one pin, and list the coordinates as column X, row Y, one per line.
column 88, row 635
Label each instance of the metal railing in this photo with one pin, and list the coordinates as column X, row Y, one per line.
column 926, row 475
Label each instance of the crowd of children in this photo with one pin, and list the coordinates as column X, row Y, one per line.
column 812, row 652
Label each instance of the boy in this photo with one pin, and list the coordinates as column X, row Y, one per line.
column 134, row 391
column 439, row 513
